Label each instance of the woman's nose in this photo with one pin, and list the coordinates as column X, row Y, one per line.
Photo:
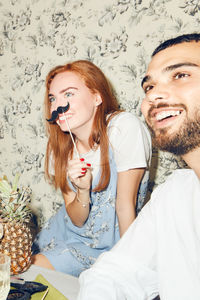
column 58, row 102
column 54, row 105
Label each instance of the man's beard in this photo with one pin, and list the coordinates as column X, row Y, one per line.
column 180, row 143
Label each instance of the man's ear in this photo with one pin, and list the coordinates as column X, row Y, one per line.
column 98, row 99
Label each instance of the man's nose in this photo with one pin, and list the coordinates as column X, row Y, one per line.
column 158, row 93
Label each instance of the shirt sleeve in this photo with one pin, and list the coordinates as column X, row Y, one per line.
column 130, row 141
column 128, row 271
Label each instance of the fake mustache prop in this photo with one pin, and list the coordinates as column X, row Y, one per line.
column 61, row 110
column 55, row 113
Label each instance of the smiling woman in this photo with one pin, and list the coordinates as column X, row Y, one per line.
column 106, row 184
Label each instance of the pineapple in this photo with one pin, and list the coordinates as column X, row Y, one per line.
column 15, row 233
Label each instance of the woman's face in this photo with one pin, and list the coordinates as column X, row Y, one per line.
column 70, row 87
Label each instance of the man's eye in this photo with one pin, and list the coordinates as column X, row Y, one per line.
column 181, row 75
column 148, row 88
column 68, row 94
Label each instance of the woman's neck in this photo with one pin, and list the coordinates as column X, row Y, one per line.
column 82, row 145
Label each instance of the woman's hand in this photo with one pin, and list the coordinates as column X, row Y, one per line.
column 79, row 172
column 78, row 203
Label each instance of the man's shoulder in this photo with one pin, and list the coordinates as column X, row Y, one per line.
column 180, row 182
column 180, row 176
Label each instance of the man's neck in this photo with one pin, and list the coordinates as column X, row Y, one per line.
column 193, row 160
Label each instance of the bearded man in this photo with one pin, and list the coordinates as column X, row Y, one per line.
column 160, row 252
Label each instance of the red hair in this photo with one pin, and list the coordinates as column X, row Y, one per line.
column 60, row 145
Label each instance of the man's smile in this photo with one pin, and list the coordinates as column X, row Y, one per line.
column 163, row 116
column 167, row 114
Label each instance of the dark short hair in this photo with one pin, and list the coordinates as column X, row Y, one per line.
column 178, row 40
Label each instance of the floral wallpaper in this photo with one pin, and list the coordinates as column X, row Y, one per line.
column 36, row 35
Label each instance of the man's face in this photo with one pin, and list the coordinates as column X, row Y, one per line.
column 171, row 105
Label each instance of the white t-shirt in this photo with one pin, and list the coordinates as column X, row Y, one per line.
column 131, row 144
column 159, row 253
column 130, row 141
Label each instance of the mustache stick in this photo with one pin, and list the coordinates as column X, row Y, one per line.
column 54, row 116
column 77, row 154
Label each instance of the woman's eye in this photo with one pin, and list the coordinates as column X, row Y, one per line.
column 181, row 75
column 52, row 99
column 68, row 94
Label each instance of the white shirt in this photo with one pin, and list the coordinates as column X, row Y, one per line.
column 131, row 144
column 130, row 141
column 159, row 253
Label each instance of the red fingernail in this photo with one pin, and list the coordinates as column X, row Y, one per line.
column 83, row 172
column 89, row 165
column 82, row 159
column 83, row 169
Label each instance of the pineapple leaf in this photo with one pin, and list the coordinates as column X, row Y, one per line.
column 5, row 187
column 14, row 201
column 15, row 182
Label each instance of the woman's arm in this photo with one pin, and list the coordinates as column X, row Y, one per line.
column 131, row 144
column 127, row 189
column 78, row 204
